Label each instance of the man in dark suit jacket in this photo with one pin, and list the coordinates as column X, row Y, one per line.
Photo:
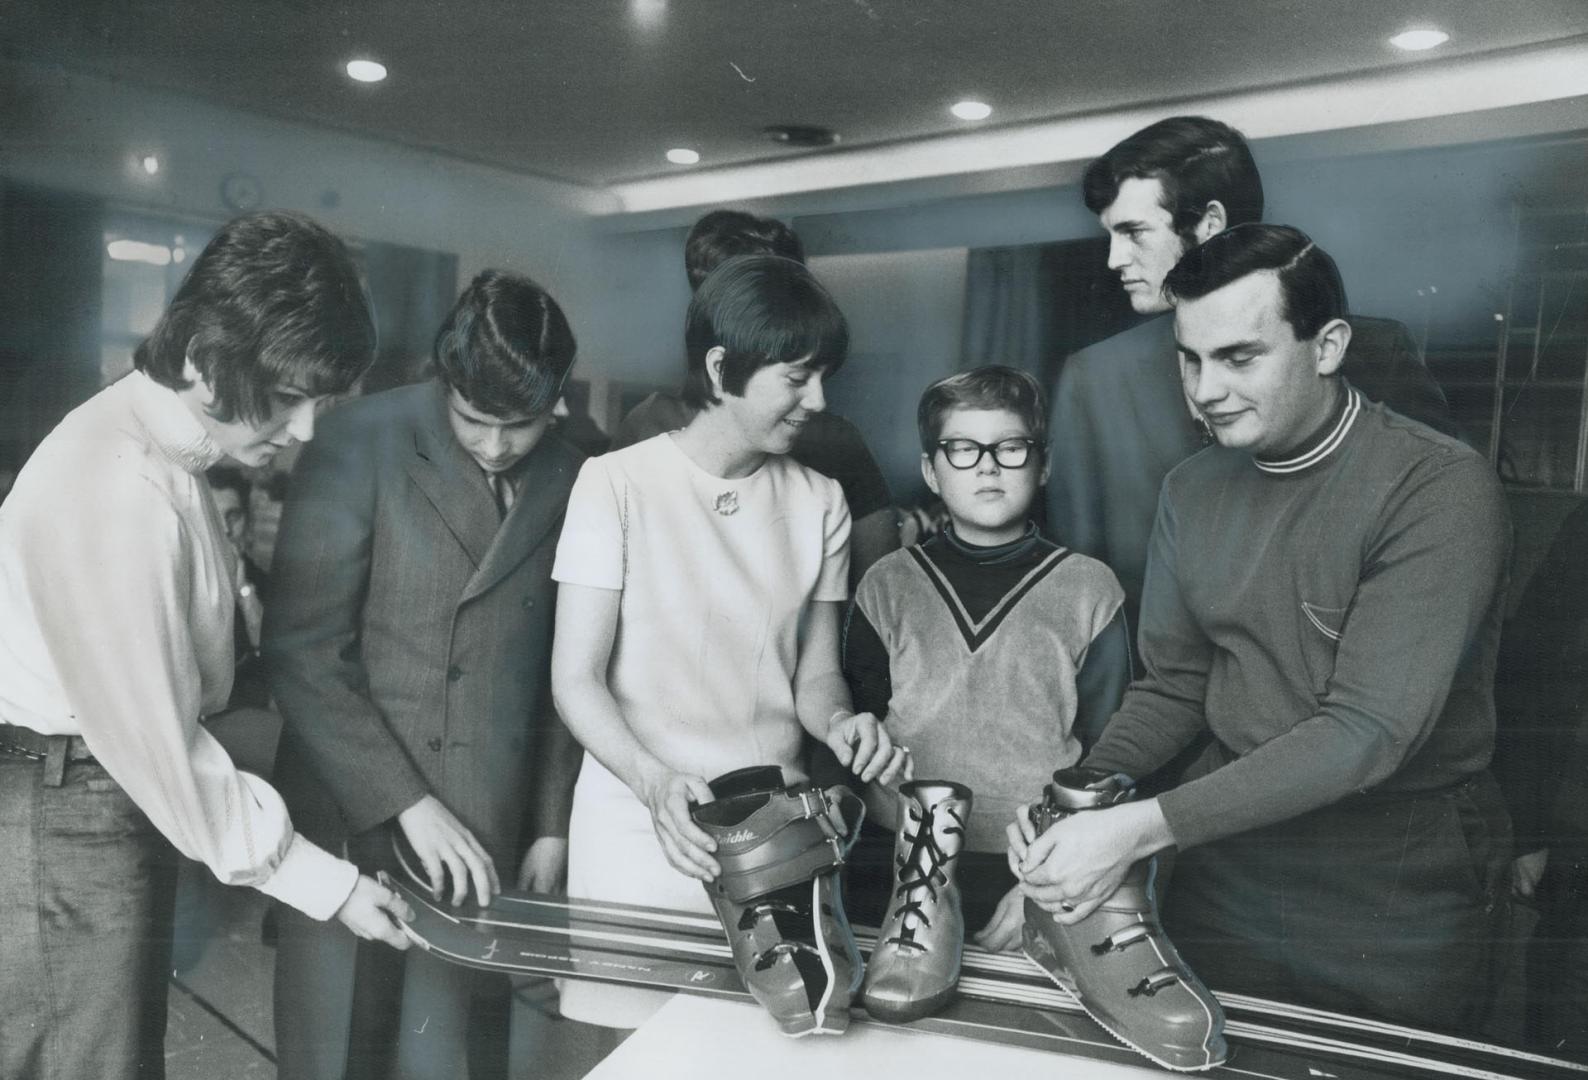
column 409, row 644
column 1119, row 420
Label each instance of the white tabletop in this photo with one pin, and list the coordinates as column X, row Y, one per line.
column 696, row 1038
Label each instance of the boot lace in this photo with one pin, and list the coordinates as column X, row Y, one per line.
column 921, row 871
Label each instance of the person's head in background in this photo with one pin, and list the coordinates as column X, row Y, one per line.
column 722, row 234
column 1166, row 189
column 761, row 336
column 1261, row 330
column 502, row 354
column 231, row 491
column 269, row 324
column 984, row 450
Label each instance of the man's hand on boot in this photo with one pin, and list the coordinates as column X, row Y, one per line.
column 1002, row 932
column 668, row 795
column 1079, row 862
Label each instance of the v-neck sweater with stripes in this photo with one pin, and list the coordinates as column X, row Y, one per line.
column 981, row 659
column 1331, row 618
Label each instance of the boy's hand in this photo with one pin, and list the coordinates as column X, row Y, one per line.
column 861, row 743
column 1527, row 871
column 1002, row 932
column 667, row 794
column 544, row 868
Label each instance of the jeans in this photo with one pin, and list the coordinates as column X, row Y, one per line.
column 86, row 893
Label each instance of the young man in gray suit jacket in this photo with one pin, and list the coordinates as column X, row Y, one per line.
column 409, row 640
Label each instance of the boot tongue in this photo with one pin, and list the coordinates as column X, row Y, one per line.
column 757, row 779
column 1088, row 789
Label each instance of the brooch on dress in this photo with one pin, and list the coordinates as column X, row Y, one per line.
column 726, row 503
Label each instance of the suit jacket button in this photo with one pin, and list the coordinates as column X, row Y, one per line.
column 529, row 601
column 454, row 673
column 434, row 744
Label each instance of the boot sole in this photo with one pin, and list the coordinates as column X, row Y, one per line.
column 902, row 1012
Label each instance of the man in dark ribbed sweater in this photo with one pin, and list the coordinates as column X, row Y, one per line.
column 1120, row 421
column 1323, row 595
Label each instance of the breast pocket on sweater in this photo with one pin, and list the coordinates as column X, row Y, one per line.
column 1320, row 630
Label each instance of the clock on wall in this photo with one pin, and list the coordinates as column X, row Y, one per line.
column 241, row 192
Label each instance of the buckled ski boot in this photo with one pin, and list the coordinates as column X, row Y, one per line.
column 1117, row 962
column 779, row 896
column 915, row 965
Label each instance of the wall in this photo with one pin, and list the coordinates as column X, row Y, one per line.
column 77, row 133
column 1396, row 221
column 905, row 315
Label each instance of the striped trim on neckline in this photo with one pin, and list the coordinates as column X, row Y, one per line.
column 1326, row 446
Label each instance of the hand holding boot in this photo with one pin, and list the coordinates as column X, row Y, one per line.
column 1081, row 860
column 667, row 795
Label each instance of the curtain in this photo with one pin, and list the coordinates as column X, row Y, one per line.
column 411, row 291
column 1008, row 308
column 1031, row 305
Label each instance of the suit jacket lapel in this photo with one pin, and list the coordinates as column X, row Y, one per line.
column 453, row 483
column 537, row 509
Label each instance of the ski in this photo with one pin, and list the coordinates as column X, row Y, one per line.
column 1002, row 997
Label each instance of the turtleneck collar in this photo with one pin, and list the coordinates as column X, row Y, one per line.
column 1322, row 443
column 172, row 428
column 998, row 553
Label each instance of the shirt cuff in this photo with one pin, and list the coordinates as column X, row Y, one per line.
column 311, row 879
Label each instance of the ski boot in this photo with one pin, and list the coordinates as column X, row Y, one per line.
column 915, row 965
column 779, row 895
column 1117, row 962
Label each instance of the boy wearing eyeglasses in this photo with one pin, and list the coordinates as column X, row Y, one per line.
column 993, row 653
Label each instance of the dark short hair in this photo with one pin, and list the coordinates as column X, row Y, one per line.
column 723, row 234
column 991, row 387
column 1196, row 160
column 230, row 478
column 762, row 310
column 1311, row 293
column 505, row 346
column 273, row 300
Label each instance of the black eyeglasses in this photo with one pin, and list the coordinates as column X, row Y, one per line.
column 967, row 453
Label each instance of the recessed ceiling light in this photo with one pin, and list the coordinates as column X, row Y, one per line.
column 971, row 110
column 683, row 156
column 648, row 14
column 369, row 71
column 1418, row 40
column 150, row 164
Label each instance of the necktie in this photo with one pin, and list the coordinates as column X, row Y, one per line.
column 502, row 490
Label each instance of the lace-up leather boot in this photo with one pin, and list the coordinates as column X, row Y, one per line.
column 779, row 895
column 915, row 966
column 1117, row 962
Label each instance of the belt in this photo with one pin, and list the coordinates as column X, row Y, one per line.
column 54, row 750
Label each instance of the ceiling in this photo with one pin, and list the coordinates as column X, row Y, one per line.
column 593, row 92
